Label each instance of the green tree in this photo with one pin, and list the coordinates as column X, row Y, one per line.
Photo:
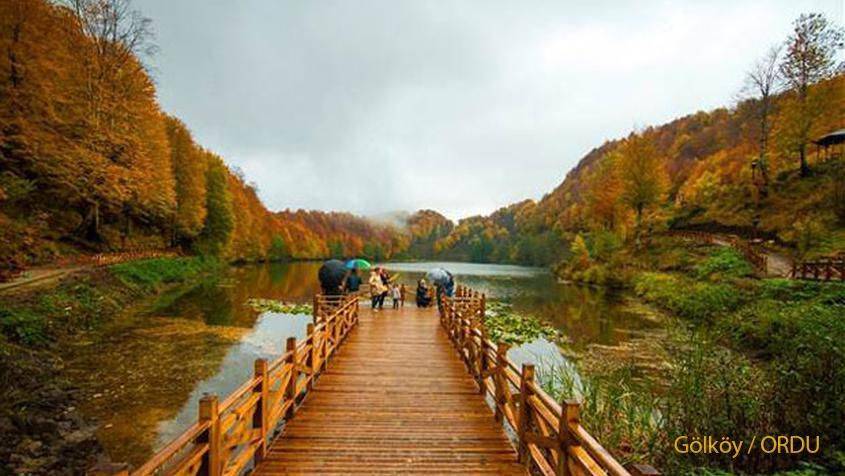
column 336, row 249
column 278, row 249
column 189, row 167
column 219, row 219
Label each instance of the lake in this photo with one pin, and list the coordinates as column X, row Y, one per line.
column 142, row 375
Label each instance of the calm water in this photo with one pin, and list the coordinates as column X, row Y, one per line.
column 144, row 374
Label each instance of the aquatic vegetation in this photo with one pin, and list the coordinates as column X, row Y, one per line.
column 617, row 408
column 506, row 325
column 281, row 307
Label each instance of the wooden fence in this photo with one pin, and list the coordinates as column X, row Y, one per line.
column 550, row 438
column 822, row 269
column 233, row 434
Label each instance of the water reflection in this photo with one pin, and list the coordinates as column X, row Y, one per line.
column 149, row 369
column 221, row 300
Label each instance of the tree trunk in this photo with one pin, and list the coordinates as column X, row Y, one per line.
column 802, row 153
column 638, row 226
column 89, row 228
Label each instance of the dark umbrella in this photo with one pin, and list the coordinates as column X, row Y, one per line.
column 331, row 275
column 438, row 276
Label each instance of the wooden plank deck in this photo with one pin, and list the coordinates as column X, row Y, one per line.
column 397, row 399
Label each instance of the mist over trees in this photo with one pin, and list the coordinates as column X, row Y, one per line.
column 88, row 160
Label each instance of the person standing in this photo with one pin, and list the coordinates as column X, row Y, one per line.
column 377, row 290
column 353, row 282
column 396, row 294
column 423, row 294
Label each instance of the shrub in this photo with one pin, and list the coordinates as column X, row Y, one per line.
column 686, row 298
column 724, row 262
column 23, row 326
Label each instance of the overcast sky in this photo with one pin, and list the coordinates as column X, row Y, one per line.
column 459, row 106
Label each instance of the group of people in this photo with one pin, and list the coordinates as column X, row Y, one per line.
column 381, row 286
column 444, row 285
column 338, row 279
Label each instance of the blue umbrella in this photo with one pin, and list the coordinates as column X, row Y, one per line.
column 358, row 263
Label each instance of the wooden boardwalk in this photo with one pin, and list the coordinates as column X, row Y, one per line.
column 396, row 399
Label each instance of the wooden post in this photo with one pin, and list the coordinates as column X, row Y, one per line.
column 324, row 348
column 209, row 412
column 565, row 439
column 483, row 359
column 290, row 392
column 524, row 413
column 315, row 307
column 500, row 379
column 312, row 361
column 261, row 418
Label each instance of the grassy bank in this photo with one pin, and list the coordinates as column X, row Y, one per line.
column 41, row 431
column 762, row 357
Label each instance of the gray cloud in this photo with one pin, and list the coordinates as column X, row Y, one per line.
column 459, row 106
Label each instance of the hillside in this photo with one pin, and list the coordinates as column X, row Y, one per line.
column 707, row 160
column 90, row 163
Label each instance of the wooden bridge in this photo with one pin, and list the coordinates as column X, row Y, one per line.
column 403, row 391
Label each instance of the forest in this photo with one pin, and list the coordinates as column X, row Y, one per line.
column 752, row 169
column 89, row 162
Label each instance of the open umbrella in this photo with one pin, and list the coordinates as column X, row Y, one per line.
column 358, row 263
column 331, row 275
column 438, row 276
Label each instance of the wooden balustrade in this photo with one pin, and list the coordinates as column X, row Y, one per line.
column 232, row 435
column 823, row 269
column 550, row 438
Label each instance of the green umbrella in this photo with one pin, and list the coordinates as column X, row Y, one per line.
column 358, row 263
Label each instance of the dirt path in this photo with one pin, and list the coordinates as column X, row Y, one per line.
column 38, row 277
column 778, row 265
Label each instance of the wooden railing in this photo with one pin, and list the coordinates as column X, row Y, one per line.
column 549, row 436
column 232, row 435
column 822, row 269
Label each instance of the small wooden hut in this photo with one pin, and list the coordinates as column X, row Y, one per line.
column 831, row 145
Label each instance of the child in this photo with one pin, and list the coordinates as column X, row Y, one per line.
column 396, row 294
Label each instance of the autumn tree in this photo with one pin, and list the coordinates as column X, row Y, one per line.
column 810, row 57
column 762, row 83
column 604, row 190
column 643, row 176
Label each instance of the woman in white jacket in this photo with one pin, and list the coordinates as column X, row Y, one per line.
column 378, row 290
